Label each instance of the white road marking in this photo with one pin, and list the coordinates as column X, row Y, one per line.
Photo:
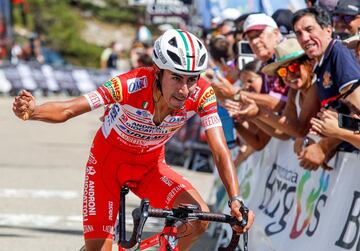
column 38, row 193
column 41, row 220
column 37, row 220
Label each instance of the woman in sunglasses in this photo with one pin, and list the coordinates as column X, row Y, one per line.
column 294, row 69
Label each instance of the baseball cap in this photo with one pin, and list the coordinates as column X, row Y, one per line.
column 348, row 7
column 258, row 21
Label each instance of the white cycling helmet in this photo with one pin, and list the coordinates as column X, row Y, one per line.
column 181, row 52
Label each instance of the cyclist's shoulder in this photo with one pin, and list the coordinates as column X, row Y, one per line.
column 203, row 100
column 203, row 83
column 204, row 90
column 137, row 80
column 148, row 72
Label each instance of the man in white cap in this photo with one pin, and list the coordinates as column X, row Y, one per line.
column 263, row 35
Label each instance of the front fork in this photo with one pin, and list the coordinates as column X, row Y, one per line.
column 168, row 239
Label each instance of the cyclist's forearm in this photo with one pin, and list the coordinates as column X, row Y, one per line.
column 221, row 154
column 227, row 173
column 60, row 111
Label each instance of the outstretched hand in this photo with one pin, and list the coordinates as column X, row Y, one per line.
column 222, row 87
column 246, row 108
column 24, row 105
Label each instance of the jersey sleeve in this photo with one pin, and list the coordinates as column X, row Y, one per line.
column 117, row 89
column 108, row 93
column 206, row 106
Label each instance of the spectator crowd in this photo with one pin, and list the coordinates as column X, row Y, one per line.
column 300, row 83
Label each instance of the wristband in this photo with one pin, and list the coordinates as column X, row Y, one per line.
column 238, row 198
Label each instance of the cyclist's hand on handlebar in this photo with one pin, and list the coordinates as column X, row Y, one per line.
column 235, row 211
column 24, row 105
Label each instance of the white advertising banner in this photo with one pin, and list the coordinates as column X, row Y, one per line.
column 298, row 209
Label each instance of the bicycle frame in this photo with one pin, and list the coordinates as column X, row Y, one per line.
column 168, row 238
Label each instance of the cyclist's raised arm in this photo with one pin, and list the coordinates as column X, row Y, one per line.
column 25, row 108
column 59, row 111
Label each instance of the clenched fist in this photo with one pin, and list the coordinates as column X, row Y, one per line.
column 24, row 105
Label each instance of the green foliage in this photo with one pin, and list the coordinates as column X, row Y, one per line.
column 60, row 23
column 114, row 11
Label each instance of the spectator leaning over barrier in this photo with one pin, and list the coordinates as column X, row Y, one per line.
column 251, row 137
column 250, row 76
column 346, row 17
column 263, row 35
column 337, row 72
column 295, row 69
column 327, row 124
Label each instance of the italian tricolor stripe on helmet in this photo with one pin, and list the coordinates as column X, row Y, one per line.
column 188, row 52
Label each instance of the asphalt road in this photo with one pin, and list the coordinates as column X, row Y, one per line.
column 41, row 179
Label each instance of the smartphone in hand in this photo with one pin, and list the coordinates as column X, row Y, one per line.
column 349, row 123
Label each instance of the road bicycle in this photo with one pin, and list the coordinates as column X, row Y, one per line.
column 168, row 238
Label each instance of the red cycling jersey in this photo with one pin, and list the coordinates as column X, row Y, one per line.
column 130, row 121
column 129, row 148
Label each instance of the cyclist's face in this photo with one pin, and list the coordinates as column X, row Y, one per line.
column 177, row 88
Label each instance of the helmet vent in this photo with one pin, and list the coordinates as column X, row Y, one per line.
column 173, row 42
column 175, row 58
column 200, row 44
column 202, row 60
column 156, row 56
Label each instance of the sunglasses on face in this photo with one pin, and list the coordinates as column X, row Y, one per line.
column 346, row 18
column 284, row 70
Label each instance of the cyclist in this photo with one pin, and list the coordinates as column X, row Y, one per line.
column 148, row 106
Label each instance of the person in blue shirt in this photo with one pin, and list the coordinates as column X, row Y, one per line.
column 337, row 74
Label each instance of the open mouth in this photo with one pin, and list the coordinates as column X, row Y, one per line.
column 309, row 46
